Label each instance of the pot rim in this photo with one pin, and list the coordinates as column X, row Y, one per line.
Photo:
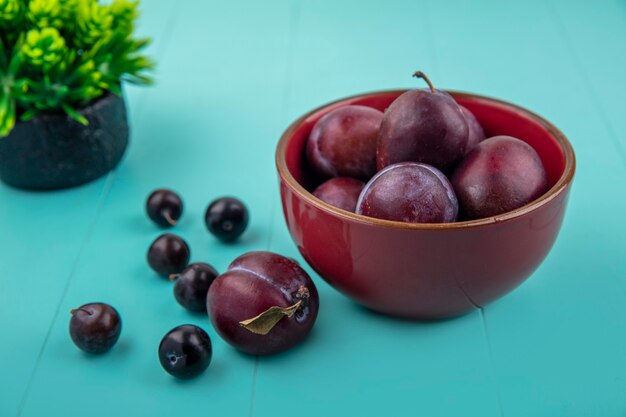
column 60, row 115
column 557, row 189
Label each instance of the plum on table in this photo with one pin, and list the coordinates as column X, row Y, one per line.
column 264, row 303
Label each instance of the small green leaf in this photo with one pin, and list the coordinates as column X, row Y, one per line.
column 7, row 116
column 139, row 44
column 28, row 115
column 75, row 115
column 138, row 79
column 3, row 59
column 115, row 89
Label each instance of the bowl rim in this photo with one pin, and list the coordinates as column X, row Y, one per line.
column 562, row 184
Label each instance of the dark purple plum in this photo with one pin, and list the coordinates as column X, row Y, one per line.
column 476, row 132
column 185, row 351
column 95, row 327
column 340, row 192
column 192, row 285
column 263, row 304
column 164, row 207
column 343, row 143
column 500, row 174
column 409, row 192
column 169, row 254
column 424, row 125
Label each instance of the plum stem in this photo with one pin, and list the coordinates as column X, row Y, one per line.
column 173, row 277
column 264, row 322
column 76, row 310
column 420, row 74
column 168, row 217
column 303, row 293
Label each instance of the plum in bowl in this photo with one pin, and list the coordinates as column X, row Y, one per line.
column 417, row 270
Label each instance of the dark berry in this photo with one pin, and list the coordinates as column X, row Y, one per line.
column 193, row 284
column 164, row 207
column 226, row 218
column 185, row 351
column 95, row 327
column 168, row 254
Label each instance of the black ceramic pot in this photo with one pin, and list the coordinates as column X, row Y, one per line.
column 53, row 151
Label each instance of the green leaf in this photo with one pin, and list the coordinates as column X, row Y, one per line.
column 3, row 58
column 7, row 115
column 28, row 115
column 16, row 60
column 139, row 44
column 115, row 89
column 137, row 79
column 75, row 115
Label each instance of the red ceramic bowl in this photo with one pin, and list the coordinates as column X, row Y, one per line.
column 427, row 271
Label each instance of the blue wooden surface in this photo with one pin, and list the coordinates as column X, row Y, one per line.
column 232, row 76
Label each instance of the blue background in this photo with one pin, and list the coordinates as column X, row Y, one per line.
column 232, row 76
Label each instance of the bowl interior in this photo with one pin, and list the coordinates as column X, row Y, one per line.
column 496, row 117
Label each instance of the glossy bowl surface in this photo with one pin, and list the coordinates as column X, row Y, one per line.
column 427, row 271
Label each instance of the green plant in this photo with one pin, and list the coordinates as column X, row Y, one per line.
column 59, row 55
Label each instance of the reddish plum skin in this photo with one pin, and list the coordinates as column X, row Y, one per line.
column 476, row 132
column 500, row 174
column 253, row 283
column 95, row 327
column 168, row 254
column 340, row 192
column 343, row 143
column 422, row 126
column 409, row 192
